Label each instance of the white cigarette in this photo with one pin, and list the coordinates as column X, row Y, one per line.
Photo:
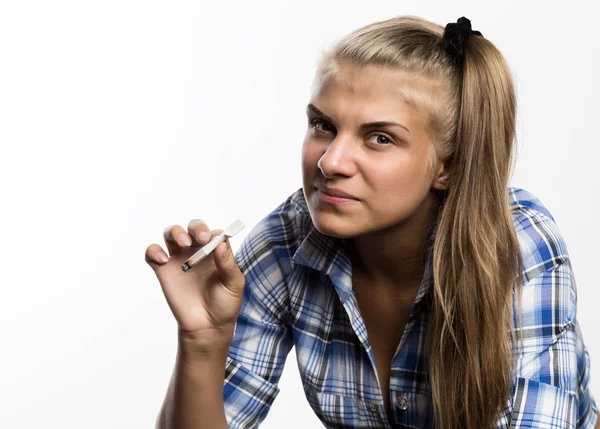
column 206, row 250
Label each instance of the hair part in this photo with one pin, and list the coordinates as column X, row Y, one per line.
column 470, row 114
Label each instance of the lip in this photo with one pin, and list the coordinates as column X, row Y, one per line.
column 334, row 192
column 334, row 196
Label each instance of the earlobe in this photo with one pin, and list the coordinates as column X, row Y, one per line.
column 442, row 179
column 440, row 185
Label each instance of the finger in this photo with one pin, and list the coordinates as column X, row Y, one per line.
column 155, row 256
column 199, row 232
column 216, row 232
column 175, row 238
column 213, row 234
column 230, row 273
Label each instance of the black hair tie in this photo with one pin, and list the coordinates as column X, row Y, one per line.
column 455, row 35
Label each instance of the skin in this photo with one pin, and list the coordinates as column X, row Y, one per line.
column 386, row 168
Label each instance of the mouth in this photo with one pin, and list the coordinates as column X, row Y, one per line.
column 334, row 197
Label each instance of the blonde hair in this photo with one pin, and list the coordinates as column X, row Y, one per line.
column 471, row 117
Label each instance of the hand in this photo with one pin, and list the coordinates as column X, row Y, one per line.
column 205, row 300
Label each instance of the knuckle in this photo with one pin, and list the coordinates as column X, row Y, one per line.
column 167, row 230
column 196, row 222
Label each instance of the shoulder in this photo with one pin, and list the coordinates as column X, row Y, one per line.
column 551, row 378
column 549, row 296
column 542, row 244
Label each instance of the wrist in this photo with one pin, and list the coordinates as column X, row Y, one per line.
column 206, row 343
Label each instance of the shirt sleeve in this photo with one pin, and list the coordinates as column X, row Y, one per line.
column 551, row 386
column 262, row 337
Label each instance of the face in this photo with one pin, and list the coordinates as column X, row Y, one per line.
column 385, row 167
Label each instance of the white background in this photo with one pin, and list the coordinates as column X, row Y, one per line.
column 119, row 118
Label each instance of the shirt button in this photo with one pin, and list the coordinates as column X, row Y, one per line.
column 402, row 402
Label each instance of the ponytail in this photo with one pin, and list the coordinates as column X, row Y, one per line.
column 469, row 345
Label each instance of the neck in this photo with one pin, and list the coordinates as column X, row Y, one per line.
column 394, row 258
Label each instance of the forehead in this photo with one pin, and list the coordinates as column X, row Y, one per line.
column 355, row 78
column 377, row 83
column 373, row 78
column 374, row 92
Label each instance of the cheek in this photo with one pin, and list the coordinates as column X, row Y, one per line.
column 310, row 157
column 391, row 175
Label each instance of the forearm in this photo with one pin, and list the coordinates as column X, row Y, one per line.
column 194, row 399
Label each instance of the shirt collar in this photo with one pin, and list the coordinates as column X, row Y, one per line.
column 330, row 256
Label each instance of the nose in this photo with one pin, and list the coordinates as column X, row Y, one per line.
column 338, row 159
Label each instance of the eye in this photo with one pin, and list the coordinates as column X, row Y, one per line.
column 314, row 122
column 382, row 140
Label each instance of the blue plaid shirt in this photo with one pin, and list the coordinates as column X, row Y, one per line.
column 299, row 293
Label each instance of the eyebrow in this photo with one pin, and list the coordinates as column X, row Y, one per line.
column 377, row 124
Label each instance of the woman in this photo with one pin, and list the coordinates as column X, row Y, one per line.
column 418, row 288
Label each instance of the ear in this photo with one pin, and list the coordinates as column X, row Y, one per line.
column 441, row 180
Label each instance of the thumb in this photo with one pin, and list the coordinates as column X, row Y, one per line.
column 231, row 275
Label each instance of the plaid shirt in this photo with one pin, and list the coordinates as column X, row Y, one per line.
column 299, row 293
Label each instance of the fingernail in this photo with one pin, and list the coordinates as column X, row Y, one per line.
column 185, row 239
column 163, row 257
column 204, row 236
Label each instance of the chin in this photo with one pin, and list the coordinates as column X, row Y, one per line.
column 332, row 225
